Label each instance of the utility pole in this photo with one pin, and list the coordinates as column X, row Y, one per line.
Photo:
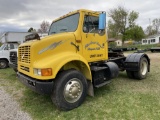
column 150, row 26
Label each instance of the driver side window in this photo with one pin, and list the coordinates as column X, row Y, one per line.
column 9, row 46
column 90, row 24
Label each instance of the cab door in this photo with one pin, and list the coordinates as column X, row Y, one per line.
column 93, row 41
column 8, row 47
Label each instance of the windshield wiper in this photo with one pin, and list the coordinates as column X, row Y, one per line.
column 63, row 29
column 53, row 32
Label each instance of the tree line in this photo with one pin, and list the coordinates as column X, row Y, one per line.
column 154, row 27
column 44, row 27
column 122, row 24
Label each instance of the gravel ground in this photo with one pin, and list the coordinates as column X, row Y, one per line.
column 9, row 108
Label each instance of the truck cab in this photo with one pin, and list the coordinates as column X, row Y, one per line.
column 10, row 41
column 74, row 59
column 73, row 37
column 4, row 53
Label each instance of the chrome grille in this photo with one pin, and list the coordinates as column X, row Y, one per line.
column 24, row 54
column 24, row 68
column 13, row 57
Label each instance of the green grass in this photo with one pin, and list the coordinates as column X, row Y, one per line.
column 123, row 99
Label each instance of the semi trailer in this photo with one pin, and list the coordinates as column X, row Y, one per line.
column 74, row 59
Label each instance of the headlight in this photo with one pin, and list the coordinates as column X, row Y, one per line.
column 43, row 72
column 37, row 72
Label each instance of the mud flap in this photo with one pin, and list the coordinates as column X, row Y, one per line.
column 132, row 62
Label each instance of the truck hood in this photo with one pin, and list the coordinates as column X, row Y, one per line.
column 51, row 46
column 48, row 39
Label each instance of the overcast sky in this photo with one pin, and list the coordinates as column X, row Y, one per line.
column 20, row 15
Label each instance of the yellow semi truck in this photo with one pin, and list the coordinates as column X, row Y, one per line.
column 74, row 59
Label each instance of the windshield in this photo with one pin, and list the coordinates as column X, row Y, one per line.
column 2, row 47
column 68, row 24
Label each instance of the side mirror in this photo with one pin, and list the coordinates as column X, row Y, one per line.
column 102, row 21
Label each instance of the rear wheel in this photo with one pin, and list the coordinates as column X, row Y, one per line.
column 143, row 70
column 3, row 64
column 70, row 90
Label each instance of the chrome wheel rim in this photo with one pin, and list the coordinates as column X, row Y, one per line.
column 73, row 90
column 144, row 67
column 2, row 65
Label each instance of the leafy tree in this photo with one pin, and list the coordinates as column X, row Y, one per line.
column 121, row 20
column 44, row 27
column 136, row 33
column 112, row 31
column 31, row 30
column 150, row 31
column 154, row 28
column 132, row 18
column 156, row 25
column 112, row 44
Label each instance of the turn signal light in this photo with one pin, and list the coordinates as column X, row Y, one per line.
column 46, row 72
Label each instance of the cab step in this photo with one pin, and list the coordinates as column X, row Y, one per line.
column 104, row 83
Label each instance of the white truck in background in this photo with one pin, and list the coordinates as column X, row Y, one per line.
column 13, row 57
column 10, row 40
column 14, row 53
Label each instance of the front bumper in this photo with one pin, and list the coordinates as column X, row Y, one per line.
column 42, row 87
column 14, row 66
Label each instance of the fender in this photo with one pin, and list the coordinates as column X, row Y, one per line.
column 56, row 62
column 132, row 61
column 4, row 58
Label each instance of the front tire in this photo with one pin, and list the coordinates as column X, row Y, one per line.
column 70, row 90
column 143, row 69
column 3, row 64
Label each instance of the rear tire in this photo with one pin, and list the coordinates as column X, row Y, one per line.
column 3, row 64
column 70, row 90
column 143, row 69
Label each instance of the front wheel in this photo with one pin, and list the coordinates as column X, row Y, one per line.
column 3, row 64
column 70, row 90
column 143, row 69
